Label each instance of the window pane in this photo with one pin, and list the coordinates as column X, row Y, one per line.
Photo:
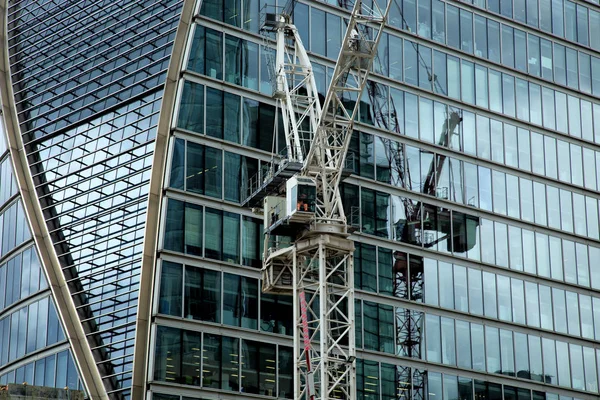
column 214, row 113
column 191, row 355
column 167, row 357
column 171, row 281
column 492, row 346
column 233, row 171
column 213, row 245
column 466, row 31
column 478, row 347
column 193, row 229
column 451, row 24
column 463, row 342
column 174, row 226
column 177, row 164
column 433, row 338
column 191, row 109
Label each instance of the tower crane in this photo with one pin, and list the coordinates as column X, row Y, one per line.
column 301, row 200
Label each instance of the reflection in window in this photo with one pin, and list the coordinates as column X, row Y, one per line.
column 276, row 314
column 433, row 342
column 170, row 297
column 452, row 22
column 202, row 294
column 206, row 53
column 240, row 301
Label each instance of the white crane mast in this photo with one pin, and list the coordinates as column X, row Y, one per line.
column 317, row 265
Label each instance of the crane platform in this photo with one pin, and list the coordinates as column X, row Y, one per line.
column 269, row 182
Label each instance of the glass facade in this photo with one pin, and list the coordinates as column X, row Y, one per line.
column 476, row 178
column 88, row 80
column 476, row 174
column 33, row 346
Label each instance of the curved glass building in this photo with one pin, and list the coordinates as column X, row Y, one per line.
column 131, row 129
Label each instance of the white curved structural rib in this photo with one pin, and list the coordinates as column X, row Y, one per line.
column 56, row 280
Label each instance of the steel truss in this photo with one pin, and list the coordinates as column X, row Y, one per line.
column 318, row 268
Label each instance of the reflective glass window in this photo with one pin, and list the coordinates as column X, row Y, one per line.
column 549, row 355
column 448, row 341
column 463, row 344
column 564, row 369
column 512, row 191
column 495, row 82
column 453, row 77
column 452, row 22
column 508, row 52
column 191, row 109
column 493, row 40
column 434, row 379
column 438, row 24
column 466, row 31
column 424, row 19
column 532, row 304
column 460, row 289
column 492, row 347
column 489, row 294
column 573, row 324
column 504, row 298
column 583, row 277
column 395, row 57
column 481, row 45
column 334, row 38
column 318, row 31
column 548, row 114
column 240, row 301
column 167, row 356
column 507, row 352
column 516, row 248
column 560, row 65
column 450, row 387
column 478, row 347
column 582, row 25
column 431, row 281
column 446, row 291
column 561, row 104
column 433, row 342
column 285, row 372
column 206, row 53
column 170, row 289
column 202, row 294
column 535, row 104
column 411, row 63
column 590, row 367
column 481, row 86
column 546, row 307
column 560, row 310
column 595, row 29
column 485, row 188
column 508, row 94
column 546, row 56
column 409, row 15
column 521, row 56
column 522, row 97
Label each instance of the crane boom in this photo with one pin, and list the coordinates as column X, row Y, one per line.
column 326, row 158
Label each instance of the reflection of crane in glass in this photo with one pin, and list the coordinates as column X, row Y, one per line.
column 408, row 279
column 422, row 224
